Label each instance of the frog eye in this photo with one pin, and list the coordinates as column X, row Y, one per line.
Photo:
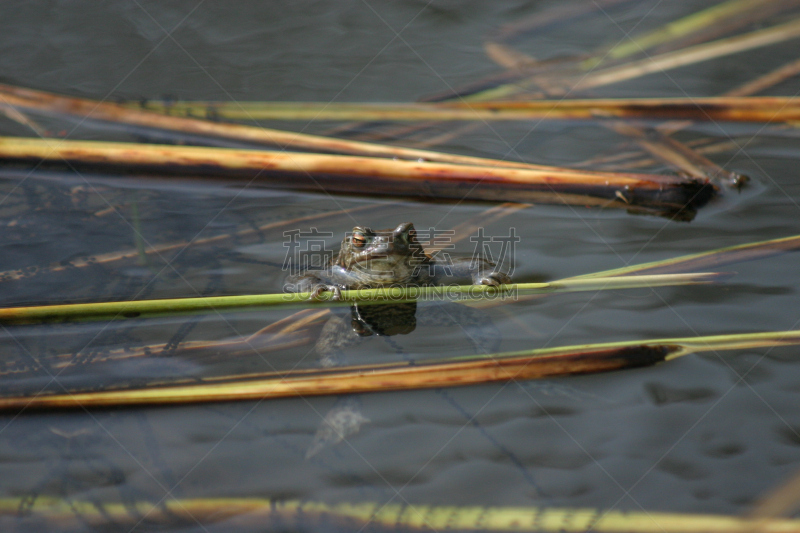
column 359, row 240
column 412, row 235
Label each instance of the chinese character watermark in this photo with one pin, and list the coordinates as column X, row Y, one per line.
column 425, row 257
column 505, row 256
column 307, row 250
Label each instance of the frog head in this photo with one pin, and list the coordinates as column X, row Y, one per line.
column 383, row 257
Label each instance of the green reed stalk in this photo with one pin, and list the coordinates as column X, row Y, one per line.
column 143, row 308
column 711, row 259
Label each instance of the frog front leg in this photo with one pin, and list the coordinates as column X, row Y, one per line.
column 479, row 270
column 312, row 283
column 332, row 279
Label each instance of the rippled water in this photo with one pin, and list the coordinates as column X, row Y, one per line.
column 704, row 433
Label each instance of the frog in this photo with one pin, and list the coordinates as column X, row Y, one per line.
column 393, row 257
column 370, row 259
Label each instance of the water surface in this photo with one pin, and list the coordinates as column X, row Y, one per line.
column 706, row 433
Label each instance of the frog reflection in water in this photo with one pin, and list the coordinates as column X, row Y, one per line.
column 389, row 258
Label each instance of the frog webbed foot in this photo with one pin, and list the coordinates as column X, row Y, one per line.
column 493, row 279
column 481, row 271
column 317, row 290
column 313, row 285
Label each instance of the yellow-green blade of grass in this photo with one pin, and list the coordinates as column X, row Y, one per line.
column 698, row 27
column 657, row 63
column 713, row 259
column 703, row 260
column 291, row 514
column 678, row 28
column 731, row 108
column 692, row 55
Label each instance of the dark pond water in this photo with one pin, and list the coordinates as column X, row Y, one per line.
column 704, row 433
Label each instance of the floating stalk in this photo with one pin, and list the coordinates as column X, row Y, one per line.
column 529, row 364
column 722, row 108
column 689, row 158
column 81, row 108
column 263, row 514
column 679, row 155
column 358, row 175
